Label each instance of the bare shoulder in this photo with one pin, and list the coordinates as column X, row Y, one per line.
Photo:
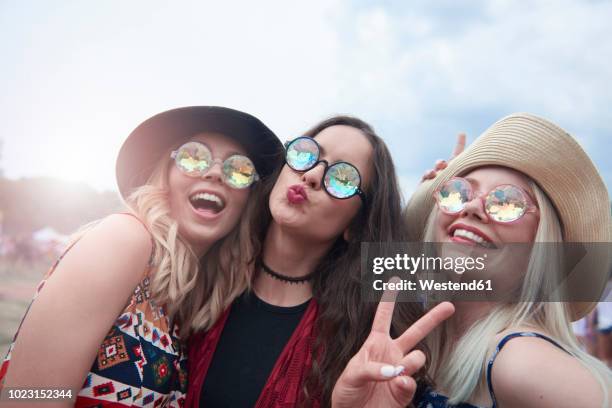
column 117, row 249
column 123, row 229
column 118, row 234
column 532, row 372
column 80, row 301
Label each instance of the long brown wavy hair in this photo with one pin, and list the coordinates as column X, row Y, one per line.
column 345, row 317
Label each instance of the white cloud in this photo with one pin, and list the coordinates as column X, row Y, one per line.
column 80, row 78
column 547, row 57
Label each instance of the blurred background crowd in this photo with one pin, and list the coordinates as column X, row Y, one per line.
column 595, row 332
column 37, row 217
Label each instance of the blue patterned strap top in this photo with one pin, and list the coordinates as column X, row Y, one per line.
column 501, row 344
column 429, row 398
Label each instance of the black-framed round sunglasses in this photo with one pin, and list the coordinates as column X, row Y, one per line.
column 341, row 179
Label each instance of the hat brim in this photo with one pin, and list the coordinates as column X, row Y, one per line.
column 553, row 160
column 145, row 146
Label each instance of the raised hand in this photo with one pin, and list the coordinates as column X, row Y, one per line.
column 379, row 375
column 442, row 164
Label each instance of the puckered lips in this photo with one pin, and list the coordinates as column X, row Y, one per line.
column 207, row 204
column 470, row 235
column 296, row 194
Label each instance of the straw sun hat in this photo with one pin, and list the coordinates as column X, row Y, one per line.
column 552, row 159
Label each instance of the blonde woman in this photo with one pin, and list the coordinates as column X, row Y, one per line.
column 105, row 328
column 526, row 181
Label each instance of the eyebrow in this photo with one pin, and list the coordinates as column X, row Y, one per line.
column 232, row 153
column 472, row 181
column 228, row 155
column 321, row 148
column 526, row 190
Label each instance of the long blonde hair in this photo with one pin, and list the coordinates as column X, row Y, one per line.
column 459, row 368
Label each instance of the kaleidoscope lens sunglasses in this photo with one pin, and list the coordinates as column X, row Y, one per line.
column 195, row 159
column 341, row 179
column 504, row 204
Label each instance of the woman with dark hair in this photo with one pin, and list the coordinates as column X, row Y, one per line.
column 285, row 342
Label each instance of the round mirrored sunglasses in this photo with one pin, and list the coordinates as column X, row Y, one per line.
column 195, row 159
column 341, row 179
column 504, row 204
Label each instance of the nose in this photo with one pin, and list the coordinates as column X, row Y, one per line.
column 214, row 172
column 475, row 209
column 314, row 176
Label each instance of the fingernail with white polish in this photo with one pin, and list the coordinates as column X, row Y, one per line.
column 399, row 370
column 388, row 371
column 405, row 381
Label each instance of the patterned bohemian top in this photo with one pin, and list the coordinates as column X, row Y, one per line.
column 140, row 361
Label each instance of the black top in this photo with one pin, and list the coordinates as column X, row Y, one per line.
column 253, row 338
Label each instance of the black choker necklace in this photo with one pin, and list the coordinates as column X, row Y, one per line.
column 285, row 278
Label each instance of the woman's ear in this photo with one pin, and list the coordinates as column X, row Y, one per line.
column 346, row 235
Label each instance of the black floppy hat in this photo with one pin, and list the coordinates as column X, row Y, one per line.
column 145, row 146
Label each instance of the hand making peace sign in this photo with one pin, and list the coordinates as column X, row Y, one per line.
column 372, row 377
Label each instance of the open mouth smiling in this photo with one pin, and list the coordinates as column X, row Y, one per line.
column 466, row 234
column 207, row 202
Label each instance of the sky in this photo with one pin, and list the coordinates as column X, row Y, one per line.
column 77, row 77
